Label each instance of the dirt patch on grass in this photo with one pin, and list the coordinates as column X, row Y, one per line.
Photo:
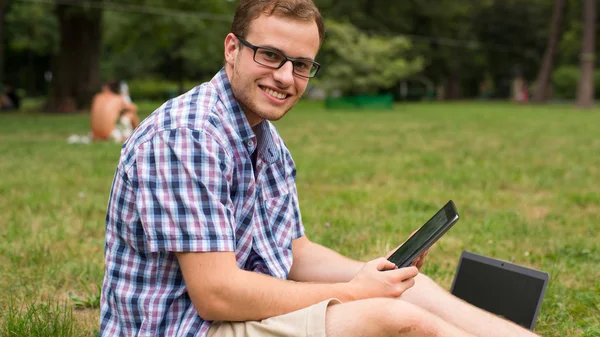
column 536, row 212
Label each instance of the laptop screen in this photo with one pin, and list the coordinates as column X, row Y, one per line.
column 504, row 289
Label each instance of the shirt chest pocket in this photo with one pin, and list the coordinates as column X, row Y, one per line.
column 279, row 219
column 277, row 208
column 275, row 184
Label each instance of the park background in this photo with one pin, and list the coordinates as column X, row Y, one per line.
column 489, row 103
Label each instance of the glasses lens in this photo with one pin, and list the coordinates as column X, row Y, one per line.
column 268, row 57
column 305, row 68
column 274, row 59
column 313, row 71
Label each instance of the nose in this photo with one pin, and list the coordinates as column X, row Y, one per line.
column 285, row 74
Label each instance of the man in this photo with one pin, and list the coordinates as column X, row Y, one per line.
column 9, row 100
column 204, row 235
column 112, row 116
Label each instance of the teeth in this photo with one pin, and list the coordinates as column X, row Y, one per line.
column 275, row 93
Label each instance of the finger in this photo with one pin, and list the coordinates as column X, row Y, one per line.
column 408, row 283
column 384, row 264
column 410, row 271
column 405, row 273
column 401, row 287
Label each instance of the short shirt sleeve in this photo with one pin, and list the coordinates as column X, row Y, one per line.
column 183, row 192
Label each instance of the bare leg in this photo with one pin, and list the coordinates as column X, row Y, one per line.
column 431, row 297
column 382, row 317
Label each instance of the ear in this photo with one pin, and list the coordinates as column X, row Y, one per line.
column 231, row 48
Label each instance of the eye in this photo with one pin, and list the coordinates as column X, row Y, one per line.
column 301, row 65
column 270, row 55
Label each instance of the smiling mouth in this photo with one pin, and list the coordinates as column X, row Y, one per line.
column 273, row 93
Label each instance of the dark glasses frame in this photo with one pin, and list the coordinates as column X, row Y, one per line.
column 316, row 66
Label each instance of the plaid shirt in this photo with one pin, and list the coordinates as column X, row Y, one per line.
column 185, row 182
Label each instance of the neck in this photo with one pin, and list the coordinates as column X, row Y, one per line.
column 253, row 120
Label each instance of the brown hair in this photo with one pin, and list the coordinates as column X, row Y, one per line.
column 114, row 86
column 249, row 10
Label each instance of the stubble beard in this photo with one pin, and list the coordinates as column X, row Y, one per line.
column 243, row 95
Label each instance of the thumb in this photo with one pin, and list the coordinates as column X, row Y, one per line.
column 384, row 264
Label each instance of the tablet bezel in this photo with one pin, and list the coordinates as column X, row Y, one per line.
column 451, row 215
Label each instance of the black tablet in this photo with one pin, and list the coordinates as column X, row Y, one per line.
column 426, row 236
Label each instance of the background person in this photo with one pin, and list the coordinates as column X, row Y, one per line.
column 9, row 99
column 112, row 116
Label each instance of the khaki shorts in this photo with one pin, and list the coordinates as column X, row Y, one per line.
column 307, row 322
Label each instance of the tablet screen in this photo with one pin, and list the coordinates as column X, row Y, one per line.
column 425, row 236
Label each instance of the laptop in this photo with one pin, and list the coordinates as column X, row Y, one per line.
column 505, row 289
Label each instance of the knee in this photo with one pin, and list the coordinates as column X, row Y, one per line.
column 400, row 318
column 423, row 284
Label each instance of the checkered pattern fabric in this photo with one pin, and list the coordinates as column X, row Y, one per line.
column 185, row 182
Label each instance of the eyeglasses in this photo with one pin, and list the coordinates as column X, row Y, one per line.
column 275, row 59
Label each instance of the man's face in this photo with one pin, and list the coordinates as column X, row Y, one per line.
column 262, row 92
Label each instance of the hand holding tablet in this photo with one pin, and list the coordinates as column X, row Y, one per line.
column 426, row 236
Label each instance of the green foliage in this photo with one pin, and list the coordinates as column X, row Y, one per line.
column 176, row 40
column 158, row 90
column 461, row 40
column 357, row 63
column 565, row 80
column 149, row 89
column 38, row 320
column 32, row 28
column 172, row 43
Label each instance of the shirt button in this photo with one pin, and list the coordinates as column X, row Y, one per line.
column 250, row 143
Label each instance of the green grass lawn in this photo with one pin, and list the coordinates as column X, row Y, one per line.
column 526, row 180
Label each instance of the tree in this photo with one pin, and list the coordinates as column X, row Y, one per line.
column 357, row 63
column 32, row 39
column 543, row 80
column 177, row 41
column 462, row 43
column 585, row 88
column 76, row 75
column 512, row 36
column 424, row 24
column 1, row 41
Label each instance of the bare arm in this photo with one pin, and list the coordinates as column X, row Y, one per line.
column 315, row 263
column 222, row 291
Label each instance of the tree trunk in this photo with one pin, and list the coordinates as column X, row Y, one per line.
column 542, row 87
column 1, row 41
column 585, row 88
column 77, row 68
column 452, row 90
